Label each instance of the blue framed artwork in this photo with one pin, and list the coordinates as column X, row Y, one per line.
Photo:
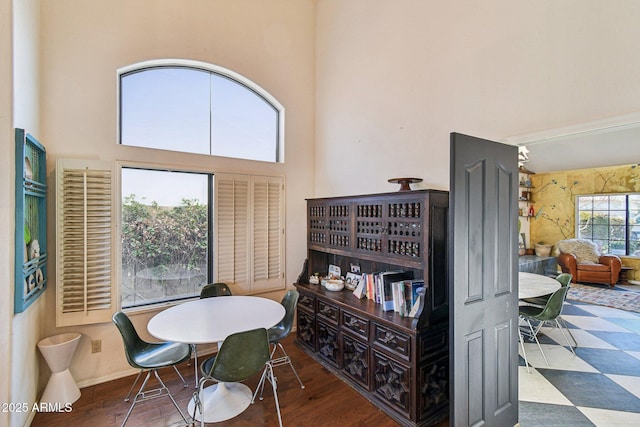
column 31, row 221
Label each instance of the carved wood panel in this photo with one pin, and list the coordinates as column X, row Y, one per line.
column 306, row 330
column 328, row 311
column 355, row 324
column 434, row 386
column 392, row 340
column 355, row 360
column 392, row 382
column 328, row 346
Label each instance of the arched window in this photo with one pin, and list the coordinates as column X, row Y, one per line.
column 199, row 108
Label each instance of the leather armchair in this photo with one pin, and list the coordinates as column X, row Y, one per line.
column 605, row 270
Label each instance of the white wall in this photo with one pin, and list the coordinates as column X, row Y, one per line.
column 25, row 328
column 6, row 201
column 395, row 77
column 84, row 43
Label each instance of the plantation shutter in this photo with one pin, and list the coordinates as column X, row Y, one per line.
column 85, row 237
column 249, row 249
column 267, row 233
column 231, row 231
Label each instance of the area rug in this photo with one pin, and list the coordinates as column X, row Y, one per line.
column 604, row 295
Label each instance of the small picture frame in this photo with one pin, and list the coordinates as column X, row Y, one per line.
column 334, row 272
column 352, row 281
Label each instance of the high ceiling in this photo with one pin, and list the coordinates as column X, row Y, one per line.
column 607, row 145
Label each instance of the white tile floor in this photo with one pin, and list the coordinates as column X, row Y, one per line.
column 599, row 386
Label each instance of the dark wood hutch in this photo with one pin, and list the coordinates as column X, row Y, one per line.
column 400, row 364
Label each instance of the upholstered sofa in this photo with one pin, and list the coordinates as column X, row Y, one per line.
column 581, row 259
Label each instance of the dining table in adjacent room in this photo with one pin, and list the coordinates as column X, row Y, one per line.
column 211, row 320
column 533, row 285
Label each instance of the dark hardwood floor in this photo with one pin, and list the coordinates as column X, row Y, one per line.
column 325, row 401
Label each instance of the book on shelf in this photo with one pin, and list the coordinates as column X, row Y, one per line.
column 405, row 293
column 361, row 289
column 386, row 278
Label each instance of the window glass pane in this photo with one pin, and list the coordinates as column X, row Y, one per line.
column 244, row 125
column 164, row 235
column 601, row 202
column 618, row 203
column 166, row 108
column 600, row 218
column 585, row 203
column 616, row 247
column 600, row 232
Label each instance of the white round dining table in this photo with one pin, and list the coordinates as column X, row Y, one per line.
column 533, row 285
column 211, row 320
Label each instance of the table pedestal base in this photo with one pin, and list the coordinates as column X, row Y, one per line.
column 222, row 401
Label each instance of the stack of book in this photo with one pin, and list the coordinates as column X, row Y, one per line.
column 395, row 290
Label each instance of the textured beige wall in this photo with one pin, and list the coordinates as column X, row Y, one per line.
column 555, row 195
column 395, row 77
column 84, row 43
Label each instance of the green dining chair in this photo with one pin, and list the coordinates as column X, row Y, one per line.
column 548, row 313
column 280, row 331
column 541, row 301
column 149, row 357
column 240, row 356
column 210, row 290
column 215, row 290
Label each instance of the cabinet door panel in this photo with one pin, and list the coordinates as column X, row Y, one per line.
column 306, row 330
column 328, row 346
column 433, row 383
column 392, row 382
column 339, row 226
column 355, row 360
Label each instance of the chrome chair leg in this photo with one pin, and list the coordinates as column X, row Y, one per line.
column 267, row 375
column 194, row 349
column 564, row 324
column 152, row 394
column 524, row 352
column 126, row 399
column 284, row 359
column 184, row 383
column 565, row 337
column 534, row 334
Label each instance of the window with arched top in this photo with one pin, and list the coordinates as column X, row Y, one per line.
column 199, row 108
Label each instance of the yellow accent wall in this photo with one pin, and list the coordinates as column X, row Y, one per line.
column 555, row 194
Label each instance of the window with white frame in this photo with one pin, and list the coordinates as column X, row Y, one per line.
column 611, row 221
column 199, row 108
column 173, row 229
column 179, row 230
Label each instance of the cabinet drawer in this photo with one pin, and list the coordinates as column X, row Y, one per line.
column 392, row 340
column 328, row 311
column 356, row 324
column 307, row 301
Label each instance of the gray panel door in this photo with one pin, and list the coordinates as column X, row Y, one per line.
column 483, row 282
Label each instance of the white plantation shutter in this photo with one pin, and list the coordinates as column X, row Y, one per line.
column 85, row 236
column 249, row 232
column 267, row 232
column 231, row 230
